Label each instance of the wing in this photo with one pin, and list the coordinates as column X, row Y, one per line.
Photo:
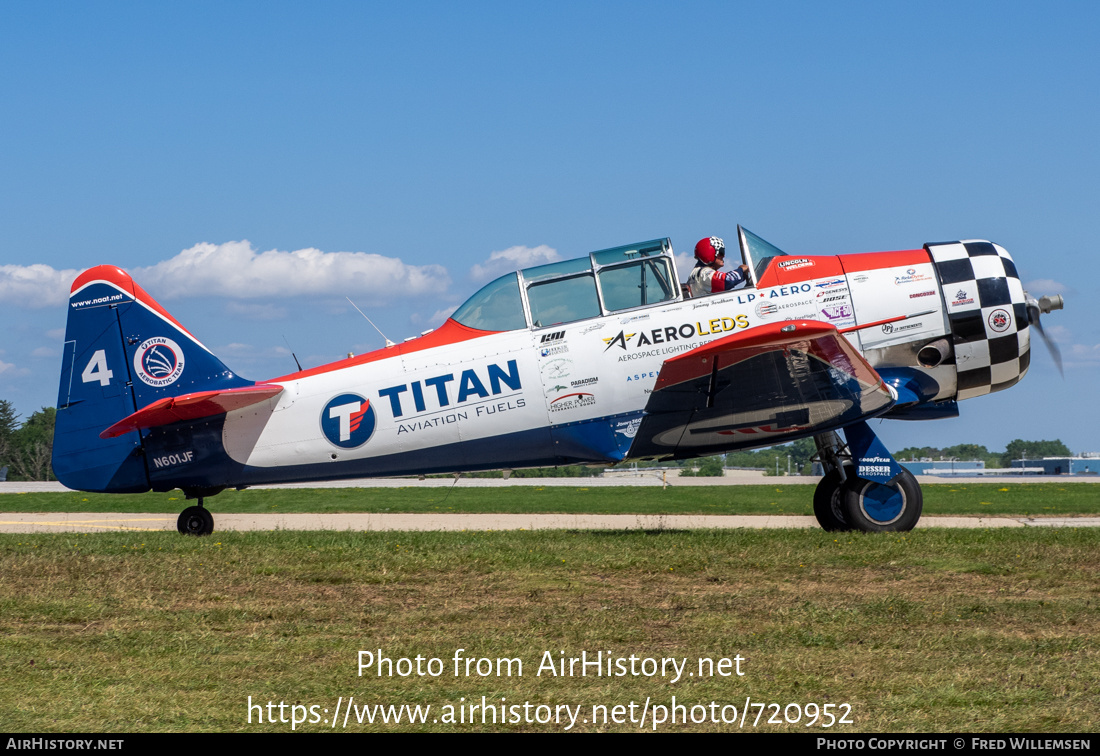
column 174, row 409
column 763, row 386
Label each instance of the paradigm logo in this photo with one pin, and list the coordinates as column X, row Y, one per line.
column 158, row 361
column 348, row 421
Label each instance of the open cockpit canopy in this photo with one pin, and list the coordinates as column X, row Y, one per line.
column 601, row 283
column 756, row 253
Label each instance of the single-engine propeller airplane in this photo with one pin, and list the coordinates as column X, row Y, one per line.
column 596, row 360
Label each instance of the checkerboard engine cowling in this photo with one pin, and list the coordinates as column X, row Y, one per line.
column 988, row 315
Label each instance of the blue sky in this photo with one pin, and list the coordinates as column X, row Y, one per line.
column 199, row 145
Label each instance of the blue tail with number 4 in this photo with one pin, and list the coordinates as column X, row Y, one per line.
column 123, row 351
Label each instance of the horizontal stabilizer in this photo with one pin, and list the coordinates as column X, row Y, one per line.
column 175, row 409
column 762, row 386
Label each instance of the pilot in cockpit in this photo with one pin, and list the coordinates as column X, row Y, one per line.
column 705, row 279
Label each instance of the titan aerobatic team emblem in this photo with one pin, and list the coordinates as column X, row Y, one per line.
column 348, row 421
column 158, row 361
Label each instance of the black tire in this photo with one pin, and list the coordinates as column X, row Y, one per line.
column 874, row 507
column 195, row 521
column 829, row 504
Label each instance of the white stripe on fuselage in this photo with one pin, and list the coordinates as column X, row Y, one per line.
column 567, row 373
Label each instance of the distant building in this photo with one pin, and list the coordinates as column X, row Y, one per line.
column 944, row 466
column 1086, row 464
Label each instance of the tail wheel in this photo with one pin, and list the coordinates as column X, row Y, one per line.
column 882, row 508
column 829, row 503
column 195, row 521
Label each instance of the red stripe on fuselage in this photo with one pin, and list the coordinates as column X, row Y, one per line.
column 794, row 269
column 781, row 273
column 451, row 332
column 876, row 260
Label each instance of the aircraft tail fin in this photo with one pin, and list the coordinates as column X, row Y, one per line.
column 123, row 351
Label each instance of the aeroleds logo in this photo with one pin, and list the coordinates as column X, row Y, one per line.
column 348, row 421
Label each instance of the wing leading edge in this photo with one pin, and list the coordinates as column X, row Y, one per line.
column 763, row 386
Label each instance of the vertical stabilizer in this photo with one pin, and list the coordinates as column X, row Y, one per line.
column 123, row 351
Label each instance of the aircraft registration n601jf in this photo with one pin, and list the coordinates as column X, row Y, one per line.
column 596, row 360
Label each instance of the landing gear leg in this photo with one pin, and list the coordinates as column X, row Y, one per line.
column 829, row 506
column 195, row 521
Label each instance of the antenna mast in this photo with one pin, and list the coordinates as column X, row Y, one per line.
column 388, row 342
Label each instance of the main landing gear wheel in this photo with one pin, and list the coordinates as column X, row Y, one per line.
column 882, row 508
column 195, row 521
column 829, row 503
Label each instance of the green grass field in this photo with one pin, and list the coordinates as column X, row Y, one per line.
column 935, row 630
column 939, row 499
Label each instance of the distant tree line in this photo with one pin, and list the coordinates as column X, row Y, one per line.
column 1017, row 449
column 26, row 449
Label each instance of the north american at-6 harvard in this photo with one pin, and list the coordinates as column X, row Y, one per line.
column 596, row 360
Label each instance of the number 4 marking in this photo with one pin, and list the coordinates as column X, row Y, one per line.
column 97, row 369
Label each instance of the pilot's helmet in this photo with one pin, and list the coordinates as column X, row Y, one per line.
column 708, row 249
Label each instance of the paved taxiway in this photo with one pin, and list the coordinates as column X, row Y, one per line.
column 98, row 522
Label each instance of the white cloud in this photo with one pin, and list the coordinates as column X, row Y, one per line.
column 235, row 270
column 436, row 319
column 1043, row 286
column 9, row 369
column 1083, row 353
column 439, row 317
column 685, row 262
column 1057, row 333
column 44, row 352
column 1073, row 354
column 56, row 334
column 511, row 259
column 35, row 285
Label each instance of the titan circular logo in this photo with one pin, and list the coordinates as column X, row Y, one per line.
column 348, row 421
column 158, row 361
column 1000, row 320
